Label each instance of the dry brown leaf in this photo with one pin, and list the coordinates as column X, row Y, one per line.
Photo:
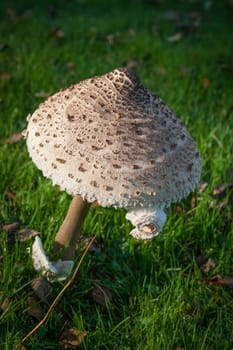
column 70, row 64
column 4, row 76
column 10, row 194
column 34, row 309
column 202, row 186
column 72, row 338
column 220, row 191
column 57, row 33
column 6, row 302
column 14, row 138
column 205, row 263
column 219, row 280
column 42, row 288
column 96, row 247
column 10, row 228
column 101, row 295
column 25, row 234
column 205, row 83
column 208, row 266
column 218, row 205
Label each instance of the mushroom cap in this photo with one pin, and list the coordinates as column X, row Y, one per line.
column 112, row 140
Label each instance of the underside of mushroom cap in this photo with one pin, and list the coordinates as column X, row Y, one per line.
column 110, row 139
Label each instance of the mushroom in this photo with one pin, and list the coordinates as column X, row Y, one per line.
column 109, row 139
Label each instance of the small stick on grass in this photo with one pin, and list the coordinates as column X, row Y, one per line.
column 54, row 303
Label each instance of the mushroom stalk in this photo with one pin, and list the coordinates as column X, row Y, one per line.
column 66, row 237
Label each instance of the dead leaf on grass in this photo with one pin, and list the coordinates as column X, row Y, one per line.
column 6, row 302
column 202, row 186
column 57, row 33
column 220, row 191
column 219, row 280
column 34, row 309
column 101, row 295
column 218, row 205
column 4, row 76
column 25, row 234
column 10, row 228
column 72, row 338
column 96, row 247
column 10, row 194
column 205, row 263
column 205, row 83
column 42, row 288
column 14, row 138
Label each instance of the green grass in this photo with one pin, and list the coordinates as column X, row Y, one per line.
column 158, row 299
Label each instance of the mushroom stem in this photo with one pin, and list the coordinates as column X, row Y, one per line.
column 66, row 237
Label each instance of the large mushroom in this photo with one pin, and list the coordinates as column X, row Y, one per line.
column 109, row 139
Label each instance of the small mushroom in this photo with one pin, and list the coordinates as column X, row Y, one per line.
column 111, row 140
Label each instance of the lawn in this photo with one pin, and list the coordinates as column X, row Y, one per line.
column 174, row 292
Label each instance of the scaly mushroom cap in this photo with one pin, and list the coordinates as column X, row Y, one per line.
column 110, row 139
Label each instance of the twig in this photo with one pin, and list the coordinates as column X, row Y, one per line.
column 54, row 303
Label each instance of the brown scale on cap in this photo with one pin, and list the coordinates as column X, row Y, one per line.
column 134, row 143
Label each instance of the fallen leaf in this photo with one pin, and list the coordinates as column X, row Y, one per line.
column 42, row 288
column 101, row 295
column 10, row 194
column 219, row 280
column 205, row 83
column 72, row 338
column 26, row 234
column 174, row 38
column 14, row 138
column 6, row 302
column 57, row 33
column 220, row 191
column 96, row 247
column 34, row 309
column 10, row 228
column 178, row 209
column 218, row 205
column 193, row 202
column 202, row 186
column 70, row 64
column 208, row 266
column 4, row 76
